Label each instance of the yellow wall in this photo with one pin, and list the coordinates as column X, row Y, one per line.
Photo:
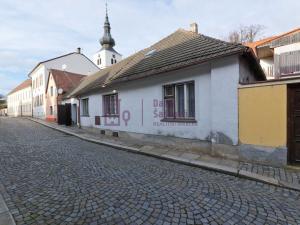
column 263, row 115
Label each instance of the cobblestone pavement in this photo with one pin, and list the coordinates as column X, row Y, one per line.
column 51, row 178
column 289, row 176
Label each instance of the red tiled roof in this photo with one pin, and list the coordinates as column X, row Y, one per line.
column 255, row 44
column 66, row 80
column 24, row 84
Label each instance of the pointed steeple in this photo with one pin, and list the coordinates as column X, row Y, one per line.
column 107, row 41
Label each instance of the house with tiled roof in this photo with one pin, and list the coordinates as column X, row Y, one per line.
column 19, row 100
column 279, row 55
column 74, row 62
column 59, row 84
column 185, row 85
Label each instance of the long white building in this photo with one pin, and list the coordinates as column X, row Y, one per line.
column 19, row 100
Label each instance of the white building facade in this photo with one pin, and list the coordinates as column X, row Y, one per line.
column 177, row 87
column 73, row 62
column 19, row 101
column 209, row 97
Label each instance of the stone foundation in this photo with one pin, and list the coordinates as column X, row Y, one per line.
column 272, row 156
column 245, row 153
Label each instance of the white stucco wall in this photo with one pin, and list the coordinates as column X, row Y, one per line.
column 19, row 103
column 216, row 104
column 224, row 101
column 74, row 63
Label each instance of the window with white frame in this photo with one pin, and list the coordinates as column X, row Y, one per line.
column 51, row 91
column 85, row 107
column 110, row 105
column 179, row 101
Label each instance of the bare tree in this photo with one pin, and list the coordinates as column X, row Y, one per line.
column 246, row 34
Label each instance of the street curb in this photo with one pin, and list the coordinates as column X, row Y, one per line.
column 5, row 216
column 195, row 163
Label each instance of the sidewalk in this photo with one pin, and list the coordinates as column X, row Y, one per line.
column 5, row 216
column 287, row 177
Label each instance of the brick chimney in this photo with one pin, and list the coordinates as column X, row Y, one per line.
column 79, row 50
column 194, row 28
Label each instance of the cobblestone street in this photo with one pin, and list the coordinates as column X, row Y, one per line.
column 47, row 177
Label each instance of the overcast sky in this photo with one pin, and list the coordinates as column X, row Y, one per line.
column 35, row 30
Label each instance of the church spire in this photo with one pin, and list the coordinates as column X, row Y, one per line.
column 107, row 41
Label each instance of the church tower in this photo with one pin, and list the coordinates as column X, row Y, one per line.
column 107, row 55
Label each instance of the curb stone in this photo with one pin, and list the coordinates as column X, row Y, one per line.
column 196, row 163
column 5, row 216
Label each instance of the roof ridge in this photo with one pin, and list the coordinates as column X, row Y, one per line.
column 179, row 49
column 21, row 85
column 80, row 74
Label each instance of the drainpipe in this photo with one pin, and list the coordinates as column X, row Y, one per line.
column 78, row 113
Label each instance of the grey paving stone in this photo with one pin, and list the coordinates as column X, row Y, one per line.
column 53, row 178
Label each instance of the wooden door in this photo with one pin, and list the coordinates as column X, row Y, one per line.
column 68, row 120
column 293, row 123
column 61, row 114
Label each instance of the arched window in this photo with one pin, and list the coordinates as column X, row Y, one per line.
column 112, row 61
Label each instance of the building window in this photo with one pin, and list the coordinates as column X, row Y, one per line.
column 179, row 101
column 112, row 61
column 85, row 107
column 110, row 105
column 51, row 91
column 51, row 110
column 115, row 61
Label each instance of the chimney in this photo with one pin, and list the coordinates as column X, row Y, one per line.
column 194, row 28
column 79, row 50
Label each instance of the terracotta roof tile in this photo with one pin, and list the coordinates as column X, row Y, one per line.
column 24, row 84
column 264, row 41
column 66, row 80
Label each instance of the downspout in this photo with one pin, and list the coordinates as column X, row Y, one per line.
column 78, row 113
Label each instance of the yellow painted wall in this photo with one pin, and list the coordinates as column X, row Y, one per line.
column 263, row 115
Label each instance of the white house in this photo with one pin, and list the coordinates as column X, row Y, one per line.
column 74, row 62
column 107, row 55
column 279, row 55
column 185, row 85
column 19, row 100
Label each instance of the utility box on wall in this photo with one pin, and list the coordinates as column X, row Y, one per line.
column 97, row 120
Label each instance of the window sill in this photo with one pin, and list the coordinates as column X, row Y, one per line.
column 178, row 120
column 111, row 116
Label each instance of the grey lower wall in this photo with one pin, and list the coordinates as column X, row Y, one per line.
column 274, row 156
column 246, row 153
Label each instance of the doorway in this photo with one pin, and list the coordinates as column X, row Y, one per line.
column 293, row 121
